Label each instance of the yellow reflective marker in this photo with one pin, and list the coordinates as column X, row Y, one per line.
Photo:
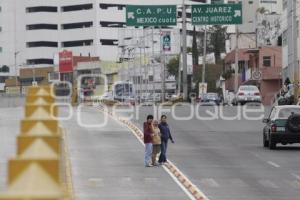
column 38, row 149
column 25, row 142
column 40, row 128
column 18, row 167
column 41, row 111
column 33, row 180
column 40, row 100
column 36, row 173
column 39, row 91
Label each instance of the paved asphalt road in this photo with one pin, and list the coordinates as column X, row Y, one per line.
column 9, row 129
column 107, row 163
column 226, row 160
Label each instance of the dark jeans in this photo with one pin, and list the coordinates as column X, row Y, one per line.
column 163, row 152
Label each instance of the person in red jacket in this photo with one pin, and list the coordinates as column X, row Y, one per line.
column 148, row 134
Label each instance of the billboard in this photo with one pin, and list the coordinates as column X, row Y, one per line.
column 65, row 61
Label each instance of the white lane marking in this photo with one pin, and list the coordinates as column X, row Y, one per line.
column 210, row 182
column 273, row 164
column 295, row 184
column 268, row 184
column 296, row 176
column 191, row 197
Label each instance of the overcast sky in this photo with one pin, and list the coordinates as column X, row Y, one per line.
column 151, row 2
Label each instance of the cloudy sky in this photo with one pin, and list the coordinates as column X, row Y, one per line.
column 160, row 1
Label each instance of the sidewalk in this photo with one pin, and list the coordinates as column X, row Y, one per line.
column 108, row 163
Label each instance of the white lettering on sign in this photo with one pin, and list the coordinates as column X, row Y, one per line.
column 169, row 10
column 197, row 10
column 158, row 10
column 221, row 19
column 201, row 19
column 148, row 11
column 225, row 9
column 143, row 20
column 139, row 11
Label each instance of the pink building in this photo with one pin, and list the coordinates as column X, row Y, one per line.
column 261, row 67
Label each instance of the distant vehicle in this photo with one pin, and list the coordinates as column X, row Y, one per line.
column 247, row 94
column 210, row 99
column 123, row 91
column 282, row 126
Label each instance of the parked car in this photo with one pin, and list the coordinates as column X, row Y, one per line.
column 247, row 94
column 282, row 126
column 210, row 99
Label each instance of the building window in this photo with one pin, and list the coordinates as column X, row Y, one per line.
column 0, row 49
column 105, row 6
column 109, row 42
column 40, row 61
column 0, row 28
column 42, row 26
column 77, row 43
column 112, row 24
column 284, row 38
column 77, row 25
column 267, row 61
column 77, row 7
column 41, row 9
column 284, row 4
column 250, row 2
column 151, row 78
column 4, row 69
column 42, row 44
column 268, row 1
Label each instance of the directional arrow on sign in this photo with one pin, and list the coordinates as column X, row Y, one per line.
column 237, row 13
column 130, row 15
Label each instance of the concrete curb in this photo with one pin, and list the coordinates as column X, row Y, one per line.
column 196, row 193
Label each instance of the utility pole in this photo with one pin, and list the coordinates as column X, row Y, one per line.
column 153, row 66
column 184, row 53
column 179, row 69
column 236, row 68
column 296, row 63
column 162, row 62
column 204, row 55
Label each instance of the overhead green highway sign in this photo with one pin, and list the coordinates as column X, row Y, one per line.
column 147, row 15
column 213, row 14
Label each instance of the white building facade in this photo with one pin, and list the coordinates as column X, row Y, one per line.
column 33, row 32
column 259, row 17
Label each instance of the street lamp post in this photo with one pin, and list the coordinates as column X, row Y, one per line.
column 16, row 67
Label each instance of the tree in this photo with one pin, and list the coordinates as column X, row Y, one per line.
column 173, row 66
column 217, row 41
column 195, row 52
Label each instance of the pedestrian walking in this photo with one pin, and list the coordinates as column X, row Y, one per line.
column 165, row 136
column 148, row 134
column 156, row 142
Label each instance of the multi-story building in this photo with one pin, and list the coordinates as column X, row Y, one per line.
column 33, row 32
column 259, row 17
column 287, row 38
column 257, row 66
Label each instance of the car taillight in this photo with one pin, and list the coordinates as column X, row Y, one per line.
column 256, row 94
column 241, row 93
column 273, row 128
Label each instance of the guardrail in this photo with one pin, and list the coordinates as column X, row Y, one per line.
column 41, row 168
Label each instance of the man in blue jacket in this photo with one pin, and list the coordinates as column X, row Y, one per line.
column 165, row 136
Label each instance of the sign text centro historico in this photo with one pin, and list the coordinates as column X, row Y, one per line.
column 212, row 14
